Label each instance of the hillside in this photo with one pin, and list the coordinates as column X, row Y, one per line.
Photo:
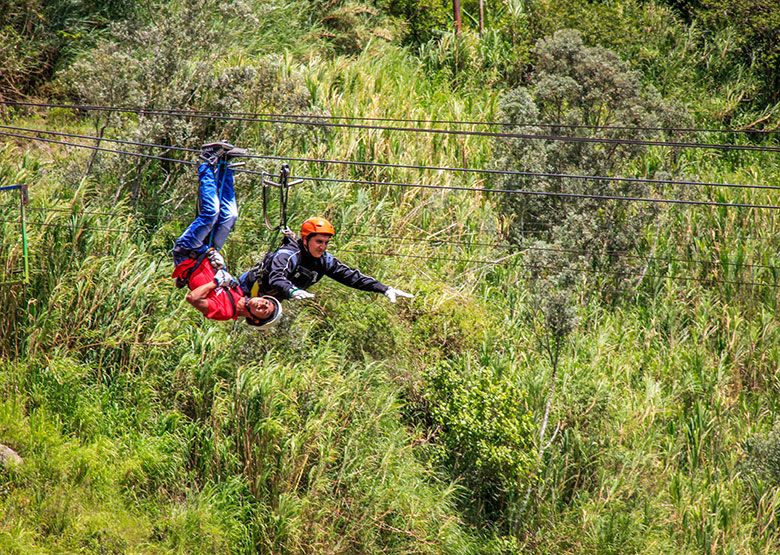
column 582, row 199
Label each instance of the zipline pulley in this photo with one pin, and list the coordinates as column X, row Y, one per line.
column 284, row 190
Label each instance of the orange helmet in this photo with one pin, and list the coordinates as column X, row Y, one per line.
column 316, row 225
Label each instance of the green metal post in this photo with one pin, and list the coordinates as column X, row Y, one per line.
column 25, row 200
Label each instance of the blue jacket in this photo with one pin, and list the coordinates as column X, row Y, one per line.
column 291, row 266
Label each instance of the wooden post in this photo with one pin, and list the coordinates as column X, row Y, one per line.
column 456, row 15
column 481, row 17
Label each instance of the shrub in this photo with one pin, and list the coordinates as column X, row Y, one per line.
column 763, row 456
column 485, row 437
column 421, row 18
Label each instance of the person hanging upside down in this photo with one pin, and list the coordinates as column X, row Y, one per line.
column 199, row 266
column 297, row 264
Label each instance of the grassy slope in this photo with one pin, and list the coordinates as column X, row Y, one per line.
column 147, row 430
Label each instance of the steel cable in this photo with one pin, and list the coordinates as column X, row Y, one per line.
column 412, row 166
column 423, row 186
column 215, row 114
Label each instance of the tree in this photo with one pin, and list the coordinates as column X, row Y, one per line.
column 483, row 436
column 580, row 91
column 176, row 62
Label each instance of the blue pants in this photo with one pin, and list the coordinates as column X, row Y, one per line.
column 217, row 214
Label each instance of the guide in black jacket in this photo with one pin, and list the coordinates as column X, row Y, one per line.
column 297, row 264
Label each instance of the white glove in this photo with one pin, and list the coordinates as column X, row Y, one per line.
column 217, row 262
column 392, row 293
column 224, row 279
column 300, row 294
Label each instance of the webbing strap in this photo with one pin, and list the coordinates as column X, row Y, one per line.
column 220, row 182
column 232, row 302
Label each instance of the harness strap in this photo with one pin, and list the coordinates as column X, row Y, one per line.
column 219, row 178
column 232, row 302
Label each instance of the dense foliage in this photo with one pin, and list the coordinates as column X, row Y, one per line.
column 572, row 376
column 588, row 93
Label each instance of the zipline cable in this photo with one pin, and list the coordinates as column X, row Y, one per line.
column 96, row 138
column 543, row 193
column 456, row 132
column 417, row 166
column 216, row 113
column 439, row 187
column 99, row 148
column 518, row 172
column 246, row 221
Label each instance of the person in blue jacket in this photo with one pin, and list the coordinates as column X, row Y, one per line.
column 198, row 264
column 297, row 264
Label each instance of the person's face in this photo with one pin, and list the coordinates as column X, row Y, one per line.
column 317, row 244
column 260, row 307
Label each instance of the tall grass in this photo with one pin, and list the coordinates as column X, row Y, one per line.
column 147, row 429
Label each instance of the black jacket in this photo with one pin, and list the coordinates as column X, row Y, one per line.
column 291, row 266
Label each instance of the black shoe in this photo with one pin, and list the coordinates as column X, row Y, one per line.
column 211, row 153
column 233, row 153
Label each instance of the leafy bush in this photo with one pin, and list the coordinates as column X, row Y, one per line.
column 35, row 36
column 421, row 18
column 485, row 436
column 763, row 456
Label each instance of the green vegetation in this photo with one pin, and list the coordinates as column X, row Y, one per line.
column 549, row 390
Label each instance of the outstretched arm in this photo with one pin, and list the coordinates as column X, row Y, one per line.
column 352, row 277
column 198, row 297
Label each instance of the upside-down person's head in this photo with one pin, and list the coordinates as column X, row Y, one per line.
column 264, row 311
